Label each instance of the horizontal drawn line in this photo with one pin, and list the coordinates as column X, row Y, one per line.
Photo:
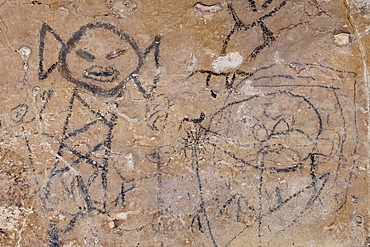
column 325, row 67
column 307, row 77
column 293, row 85
column 274, row 76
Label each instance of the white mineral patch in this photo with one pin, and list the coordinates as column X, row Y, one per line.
column 124, row 215
column 71, row 244
column 63, row 11
column 342, row 39
column 25, row 52
column 230, row 61
column 191, row 64
column 248, row 89
column 111, row 224
column 11, row 217
column 129, row 161
column 243, row 117
column 203, row 10
column 159, row 71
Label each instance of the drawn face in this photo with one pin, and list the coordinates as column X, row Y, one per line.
column 275, row 131
column 19, row 112
column 100, row 59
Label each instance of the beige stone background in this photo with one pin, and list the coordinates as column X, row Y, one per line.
column 224, row 148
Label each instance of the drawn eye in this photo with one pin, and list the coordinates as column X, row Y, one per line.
column 114, row 54
column 85, row 55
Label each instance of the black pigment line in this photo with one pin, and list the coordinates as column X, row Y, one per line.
column 306, row 77
column 85, row 55
column 54, row 235
column 325, row 67
column 274, row 76
column 92, row 178
column 122, row 194
column 160, row 200
column 85, row 157
column 81, row 130
column 249, row 74
column 156, row 43
column 85, row 192
column 46, row 96
column 110, row 74
column 5, row 235
column 208, row 79
column 313, row 169
column 266, row 3
column 232, row 155
column 324, row 176
column 355, row 113
column 351, row 171
column 344, row 138
column 299, row 85
column 252, row 4
column 311, row 105
column 96, row 113
column 275, row 10
column 66, row 48
column 260, row 204
column 72, row 222
column 195, row 164
column 65, row 126
column 196, row 120
column 311, row 201
column 114, row 54
column 202, row 71
column 44, row 30
column 20, row 111
column 278, row 195
column 268, row 36
column 30, row 154
column 284, row 202
column 213, row 94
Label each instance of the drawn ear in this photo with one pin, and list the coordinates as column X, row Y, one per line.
column 48, row 51
column 150, row 69
column 153, row 46
column 281, row 126
column 329, row 143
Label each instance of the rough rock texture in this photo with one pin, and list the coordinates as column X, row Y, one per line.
column 184, row 123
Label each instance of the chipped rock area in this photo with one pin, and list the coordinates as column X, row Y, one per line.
column 184, row 123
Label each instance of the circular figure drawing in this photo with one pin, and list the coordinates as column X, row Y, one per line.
column 268, row 170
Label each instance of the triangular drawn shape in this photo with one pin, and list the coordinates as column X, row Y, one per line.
column 44, row 73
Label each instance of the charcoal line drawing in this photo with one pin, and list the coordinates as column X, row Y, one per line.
column 267, row 10
column 268, row 35
column 290, row 151
column 289, row 148
column 282, row 131
column 85, row 179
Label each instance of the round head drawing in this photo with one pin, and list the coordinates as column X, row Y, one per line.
column 276, row 131
column 100, row 58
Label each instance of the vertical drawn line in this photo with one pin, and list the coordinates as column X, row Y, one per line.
column 202, row 206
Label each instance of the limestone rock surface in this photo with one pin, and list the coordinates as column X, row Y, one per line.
column 184, row 123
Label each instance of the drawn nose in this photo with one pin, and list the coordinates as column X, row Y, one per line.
column 101, row 74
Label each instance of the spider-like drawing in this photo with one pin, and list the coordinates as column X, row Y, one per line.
column 249, row 18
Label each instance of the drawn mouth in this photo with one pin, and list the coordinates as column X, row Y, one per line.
column 101, row 74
